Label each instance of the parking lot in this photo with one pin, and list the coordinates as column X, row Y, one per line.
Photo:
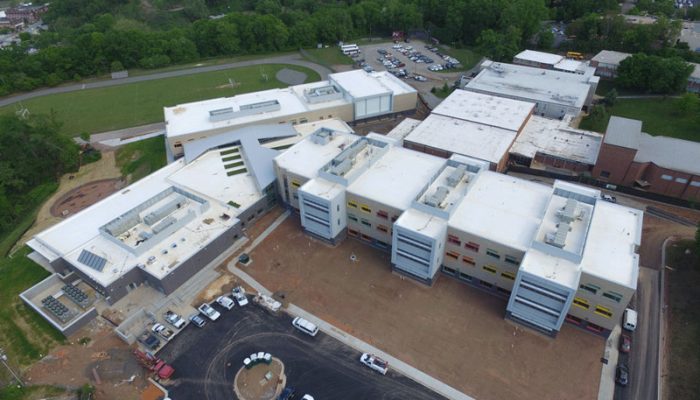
column 451, row 331
column 379, row 61
column 207, row 359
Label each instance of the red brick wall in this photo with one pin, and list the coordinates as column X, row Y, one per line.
column 615, row 160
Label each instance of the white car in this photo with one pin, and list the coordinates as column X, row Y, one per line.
column 305, row 326
column 225, row 302
column 174, row 319
column 307, row 397
column 239, row 294
column 420, row 78
column 209, row 312
column 375, row 363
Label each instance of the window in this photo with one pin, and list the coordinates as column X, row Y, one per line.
column 490, row 268
column 178, row 144
column 604, row 311
column 493, row 253
column 452, row 254
column 590, row 288
column 449, row 270
column 681, row 180
column 454, row 240
column 296, row 184
column 352, row 204
column 366, row 238
column 465, row 277
column 352, row 217
column 605, row 174
column 468, row 260
column 667, row 177
column 352, row 232
column 695, row 183
column 512, row 260
column 472, row 246
column 486, row 284
column 382, row 214
column 382, row 228
column 365, row 222
column 504, row 291
column 394, row 218
column 583, row 303
column 613, row 296
column 572, row 319
column 303, row 121
column 508, row 275
column 365, row 208
column 595, row 328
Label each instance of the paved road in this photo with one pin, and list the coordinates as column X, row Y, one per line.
column 294, row 59
column 206, row 360
column 643, row 359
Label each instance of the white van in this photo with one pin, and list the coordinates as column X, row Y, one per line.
column 305, row 326
column 629, row 321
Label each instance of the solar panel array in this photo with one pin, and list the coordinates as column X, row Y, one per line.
column 92, row 260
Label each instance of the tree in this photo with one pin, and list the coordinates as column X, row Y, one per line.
column 116, row 66
column 500, row 46
column 689, row 104
column 611, row 97
column 654, row 74
column 545, row 39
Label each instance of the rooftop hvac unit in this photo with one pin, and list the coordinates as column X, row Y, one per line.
column 455, row 176
column 438, row 197
column 568, row 213
column 322, row 136
column 341, row 168
column 558, row 238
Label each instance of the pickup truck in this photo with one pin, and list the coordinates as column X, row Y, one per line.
column 174, row 319
column 162, row 331
column 375, row 363
column 209, row 312
column 149, row 340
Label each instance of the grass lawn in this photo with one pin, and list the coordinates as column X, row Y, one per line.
column 659, row 116
column 31, row 392
column 104, row 109
column 328, row 56
column 684, row 329
column 141, row 158
column 441, row 93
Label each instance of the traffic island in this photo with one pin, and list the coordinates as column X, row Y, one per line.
column 260, row 379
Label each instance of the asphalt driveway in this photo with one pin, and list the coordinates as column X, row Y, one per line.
column 206, row 360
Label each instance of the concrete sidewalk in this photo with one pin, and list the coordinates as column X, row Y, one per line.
column 606, row 389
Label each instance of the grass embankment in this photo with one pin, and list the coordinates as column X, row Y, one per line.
column 466, row 56
column 31, row 392
column 328, row 56
column 684, row 329
column 138, row 159
column 134, row 104
column 660, row 117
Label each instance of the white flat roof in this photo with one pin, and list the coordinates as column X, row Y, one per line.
column 485, row 109
column 696, row 71
column 397, row 177
column 555, row 269
column 359, row 83
column 471, row 139
column 556, row 138
column 205, row 177
column 396, row 85
column 615, row 232
column 571, row 65
column 539, row 56
column 306, row 157
column 426, row 224
column 610, row 57
column 323, row 188
column 532, row 83
column 403, row 128
column 503, row 209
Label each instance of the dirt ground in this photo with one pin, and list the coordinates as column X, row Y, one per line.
column 450, row 331
column 84, row 196
column 105, row 168
column 72, row 365
column 654, row 232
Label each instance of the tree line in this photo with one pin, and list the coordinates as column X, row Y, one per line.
column 32, row 155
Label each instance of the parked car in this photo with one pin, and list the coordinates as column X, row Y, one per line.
column 622, row 375
column 625, row 343
column 198, row 320
column 149, row 340
column 225, row 302
column 609, row 198
column 209, row 312
column 287, row 394
column 381, row 51
column 174, row 319
column 162, row 331
column 307, row 397
column 375, row 363
column 239, row 294
column 305, row 326
column 420, row 78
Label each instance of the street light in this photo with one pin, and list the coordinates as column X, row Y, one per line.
column 3, row 358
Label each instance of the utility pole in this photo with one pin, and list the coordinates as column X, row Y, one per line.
column 3, row 358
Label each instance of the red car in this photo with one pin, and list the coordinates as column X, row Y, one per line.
column 625, row 343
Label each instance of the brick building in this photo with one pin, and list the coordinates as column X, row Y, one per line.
column 658, row 164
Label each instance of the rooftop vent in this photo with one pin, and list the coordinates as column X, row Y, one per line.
column 438, row 197
column 455, row 176
column 322, row 136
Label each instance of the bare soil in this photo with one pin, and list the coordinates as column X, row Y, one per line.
column 451, row 331
column 654, row 232
column 71, row 365
column 84, row 196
